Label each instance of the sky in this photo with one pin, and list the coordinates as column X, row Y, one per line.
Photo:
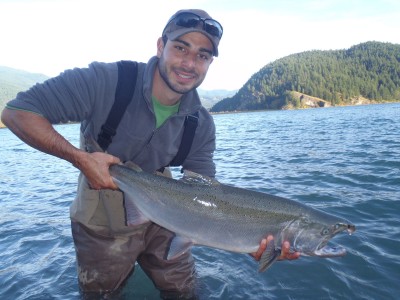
column 49, row 36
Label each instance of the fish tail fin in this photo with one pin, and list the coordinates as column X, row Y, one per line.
column 268, row 257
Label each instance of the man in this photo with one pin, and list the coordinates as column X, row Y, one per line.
column 149, row 134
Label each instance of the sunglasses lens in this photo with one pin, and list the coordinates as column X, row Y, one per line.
column 213, row 28
column 189, row 20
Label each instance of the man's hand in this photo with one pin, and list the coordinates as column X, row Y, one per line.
column 96, row 166
column 285, row 254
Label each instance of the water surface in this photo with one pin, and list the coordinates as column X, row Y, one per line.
column 343, row 160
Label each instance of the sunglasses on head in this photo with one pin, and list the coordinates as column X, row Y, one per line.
column 191, row 20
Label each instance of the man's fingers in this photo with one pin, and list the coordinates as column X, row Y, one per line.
column 261, row 249
column 263, row 245
column 115, row 161
column 286, row 254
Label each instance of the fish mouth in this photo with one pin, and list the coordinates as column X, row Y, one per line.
column 323, row 250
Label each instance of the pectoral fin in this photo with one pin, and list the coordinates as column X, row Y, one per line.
column 133, row 214
column 179, row 245
column 269, row 256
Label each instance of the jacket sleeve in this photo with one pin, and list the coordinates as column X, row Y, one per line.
column 69, row 97
column 200, row 157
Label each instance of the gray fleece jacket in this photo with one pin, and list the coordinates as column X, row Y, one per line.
column 86, row 95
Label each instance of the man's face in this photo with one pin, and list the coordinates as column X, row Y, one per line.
column 184, row 62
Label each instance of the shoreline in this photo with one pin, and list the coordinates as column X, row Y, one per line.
column 370, row 102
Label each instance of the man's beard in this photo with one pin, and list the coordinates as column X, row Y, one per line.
column 176, row 88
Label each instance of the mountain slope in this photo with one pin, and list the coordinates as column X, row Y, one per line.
column 370, row 70
column 210, row 98
column 13, row 81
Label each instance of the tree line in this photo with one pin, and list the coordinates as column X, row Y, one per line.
column 370, row 70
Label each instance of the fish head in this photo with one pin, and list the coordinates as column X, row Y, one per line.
column 311, row 237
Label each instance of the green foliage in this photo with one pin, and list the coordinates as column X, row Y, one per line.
column 291, row 100
column 370, row 70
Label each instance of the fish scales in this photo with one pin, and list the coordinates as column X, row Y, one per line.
column 217, row 215
column 205, row 212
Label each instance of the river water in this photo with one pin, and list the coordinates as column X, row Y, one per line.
column 343, row 160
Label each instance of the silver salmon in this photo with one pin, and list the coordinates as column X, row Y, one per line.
column 203, row 211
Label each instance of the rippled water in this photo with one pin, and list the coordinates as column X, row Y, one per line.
column 343, row 160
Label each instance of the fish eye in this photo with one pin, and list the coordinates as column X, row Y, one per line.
column 325, row 231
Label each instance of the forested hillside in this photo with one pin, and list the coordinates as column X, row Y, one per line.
column 370, row 70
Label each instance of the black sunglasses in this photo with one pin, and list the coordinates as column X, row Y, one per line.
column 191, row 20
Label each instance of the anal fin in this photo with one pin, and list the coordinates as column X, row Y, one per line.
column 179, row 245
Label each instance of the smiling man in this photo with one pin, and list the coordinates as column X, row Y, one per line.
column 150, row 133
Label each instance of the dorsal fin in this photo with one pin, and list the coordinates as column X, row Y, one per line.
column 133, row 166
column 91, row 145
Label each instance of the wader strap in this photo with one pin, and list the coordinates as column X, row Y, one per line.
column 127, row 75
column 191, row 122
column 187, row 139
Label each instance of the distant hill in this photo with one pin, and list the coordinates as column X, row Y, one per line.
column 210, row 98
column 368, row 72
column 13, row 81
